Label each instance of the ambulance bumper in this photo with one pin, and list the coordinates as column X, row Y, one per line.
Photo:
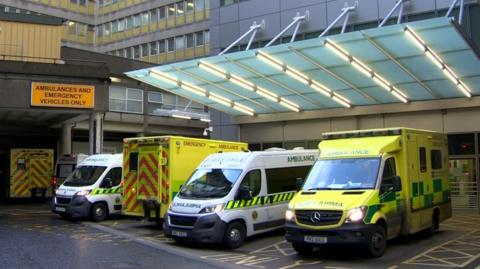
column 354, row 233
column 78, row 207
column 206, row 229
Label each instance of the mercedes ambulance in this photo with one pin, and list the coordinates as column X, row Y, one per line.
column 93, row 189
column 231, row 196
column 370, row 186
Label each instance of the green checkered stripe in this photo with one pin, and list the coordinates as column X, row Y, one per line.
column 420, row 199
column 259, row 201
column 99, row 191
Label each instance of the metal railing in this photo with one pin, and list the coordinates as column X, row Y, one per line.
column 464, row 195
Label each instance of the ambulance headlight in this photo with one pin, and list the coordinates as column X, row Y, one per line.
column 356, row 214
column 212, row 209
column 83, row 193
column 289, row 215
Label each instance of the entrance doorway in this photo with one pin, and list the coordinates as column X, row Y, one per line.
column 4, row 174
column 463, row 183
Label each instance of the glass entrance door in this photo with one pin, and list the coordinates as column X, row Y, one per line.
column 463, row 183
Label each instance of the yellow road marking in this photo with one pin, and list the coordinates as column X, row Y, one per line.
column 301, row 263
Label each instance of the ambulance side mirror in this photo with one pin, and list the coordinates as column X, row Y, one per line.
column 299, row 183
column 245, row 193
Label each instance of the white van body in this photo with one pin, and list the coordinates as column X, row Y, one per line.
column 204, row 209
column 92, row 189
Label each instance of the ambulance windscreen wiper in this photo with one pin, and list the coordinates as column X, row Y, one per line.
column 320, row 189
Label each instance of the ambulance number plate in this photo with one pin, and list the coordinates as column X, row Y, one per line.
column 315, row 239
column 60, row 209
column 179, row 233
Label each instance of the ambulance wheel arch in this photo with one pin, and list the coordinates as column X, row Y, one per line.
column 99, row 211
column 235, row 234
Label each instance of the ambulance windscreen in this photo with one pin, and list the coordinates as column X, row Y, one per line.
column 210, row 183
column 84, row 175
column 343, row 174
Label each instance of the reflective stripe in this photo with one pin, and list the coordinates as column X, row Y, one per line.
column 264, row 200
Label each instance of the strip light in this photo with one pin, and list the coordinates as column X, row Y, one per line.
column 205, row 120
column 200, row 91
column 365, row 70
column 303, row 79
column 181, row 117
column 449, row 73
column 251, row 86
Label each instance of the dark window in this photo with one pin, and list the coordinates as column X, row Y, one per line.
column 161, row 46
column 255, row 147
column 423, row 160
column 284, row 179
column 153, row 48
column 133, row 161
column 436, row 156
column 272, row 145
column 389, row 170
column 115, row 174
column 144, row 50
column 253, row 180
column 171, row 44
column 189, row 40
column 461, row 144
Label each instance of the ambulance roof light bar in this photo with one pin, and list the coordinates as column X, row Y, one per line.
column 438, row 61
column 365, row 70
column 363, row 133
column 249, row 86
column 294, row 73
column 202, row 92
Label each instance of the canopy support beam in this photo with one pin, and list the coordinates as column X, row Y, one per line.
column 452, row 6
column 345, row 13
column 399, row 5
column 297, row 20
column 253, row 30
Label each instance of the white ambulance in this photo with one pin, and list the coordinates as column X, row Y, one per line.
column 234, row 195
column 92, row 189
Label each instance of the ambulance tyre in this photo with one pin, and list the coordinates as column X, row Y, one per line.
column 377, row 242
column 234, row 235
column 65, row 216
column 99, row 212
column 303, row 249
column 435, row 223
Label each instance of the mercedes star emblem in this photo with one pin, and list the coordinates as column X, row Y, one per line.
column 316, row 217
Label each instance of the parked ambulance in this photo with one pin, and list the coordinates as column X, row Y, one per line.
column 234, row 195
column 64, row 167
column 370, row 186
column 92, row 189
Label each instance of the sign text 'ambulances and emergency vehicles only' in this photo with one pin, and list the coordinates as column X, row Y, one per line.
column 62, row 95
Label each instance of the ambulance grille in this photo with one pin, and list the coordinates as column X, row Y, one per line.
column 63, row 200
column 318, row 218
column 182, row 220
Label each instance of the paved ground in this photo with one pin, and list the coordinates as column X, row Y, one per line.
column 32, row 237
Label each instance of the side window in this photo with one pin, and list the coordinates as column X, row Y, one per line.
column 389, row 173
column 436, row 156
column 284, row 179
column 133, row 165
column 253, row 180
column 115, row 174
column 423, row 160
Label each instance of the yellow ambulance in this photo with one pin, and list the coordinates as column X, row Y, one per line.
column 154, row 169
column 370, row 186
column 30, row 173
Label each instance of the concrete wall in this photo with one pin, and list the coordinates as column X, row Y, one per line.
column 448, row 121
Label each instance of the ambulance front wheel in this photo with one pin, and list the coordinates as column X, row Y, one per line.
column 99, row 212
column 234, row 235
column 377, row 242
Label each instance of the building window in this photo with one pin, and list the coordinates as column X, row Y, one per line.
column 144, row 50
column 154, row 16
column 129, row 53
column 81, row 29
column 136, row 52
column 461, row 144
column 107, row 29
column 207, row 37
column 189, row 40
column 171, row 10
column 125, row 99
column 423, row 160
column 180, row 8
column 200, row 5
column 114, row 26
column 145, row 18
column 227, row 2
column 171, row 44
column 162, row 13
column 199, row 39
column 161, row 46
column 153, row 48
column 71, row 27
column 179, row 42
column 137, row 20
column 130, row 22
column 155, row 102
column 121, row 25
column 436, row 156
column 190, row 6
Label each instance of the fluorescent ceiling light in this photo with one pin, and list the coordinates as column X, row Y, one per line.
column 449, row 73
column 339, row 51
column 220, row 99
column 382, row 82
column 399, row 95
column 297, row 75
column 244, row 109
column 267, row 94
column 270, row 60
column 181, row 117
column 362, row 68
column 194, row 89
column 289, row 105
column 242, row 82
column 205, row 120
column 341, row 101
column 212, row 69
column 321, row 89
column 162, row 76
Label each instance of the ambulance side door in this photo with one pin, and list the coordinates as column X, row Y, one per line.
column 253, row 210
column 111, row 182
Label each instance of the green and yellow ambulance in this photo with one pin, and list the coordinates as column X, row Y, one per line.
column 370, row 186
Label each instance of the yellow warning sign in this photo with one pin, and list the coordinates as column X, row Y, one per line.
column 62, row 95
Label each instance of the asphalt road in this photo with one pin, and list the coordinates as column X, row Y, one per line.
column 32, row 237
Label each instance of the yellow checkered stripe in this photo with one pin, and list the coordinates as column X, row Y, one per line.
column 107, row 191
column 261, row 200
